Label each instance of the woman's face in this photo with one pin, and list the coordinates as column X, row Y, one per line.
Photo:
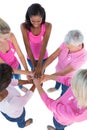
column 4, row 36
column 36, row 21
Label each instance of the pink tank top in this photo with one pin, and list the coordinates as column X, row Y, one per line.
column 36, row 42
column 9, row 57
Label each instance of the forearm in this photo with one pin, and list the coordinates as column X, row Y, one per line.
column 37, row 83
column 48, row 62
column 26, row 43
column 51, row 58
column 63, row 72
column 16, row 71
column 45, row 42
column 21, row 82
column 42, row 53
column 23, row 61
column 30, row 55
column 32, row 88
column 40, row 90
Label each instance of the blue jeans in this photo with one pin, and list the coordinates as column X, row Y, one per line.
column 30, row 63
column 18, row 76
column 64, row 87
column 57, row 125
column 20, row 120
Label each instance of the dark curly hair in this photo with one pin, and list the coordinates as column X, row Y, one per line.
column 33, row 10
column 5, row 75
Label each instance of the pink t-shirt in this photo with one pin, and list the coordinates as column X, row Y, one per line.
column 9, row 57
column 65, row 109
column 76, row 60
column 36, row 42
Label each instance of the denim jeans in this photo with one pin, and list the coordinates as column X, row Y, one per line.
column 20, row 120
column 64, row 87
column 18, row 76
column 30, row 63
column 57, row 125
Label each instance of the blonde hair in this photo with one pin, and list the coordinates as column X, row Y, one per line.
column 4, row 29
column 79, row 87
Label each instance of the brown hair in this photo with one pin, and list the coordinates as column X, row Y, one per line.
column 5, row 75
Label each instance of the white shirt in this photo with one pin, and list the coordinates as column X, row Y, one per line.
column 13, row 104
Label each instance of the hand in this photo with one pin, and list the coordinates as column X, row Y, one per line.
column 37, row 82
column 30, row 76
column 38, row 71
column 31, row 73
column 30, row 79
column 45, row 78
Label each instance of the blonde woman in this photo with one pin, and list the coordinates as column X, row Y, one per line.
column 71, row 106
column 9, row 47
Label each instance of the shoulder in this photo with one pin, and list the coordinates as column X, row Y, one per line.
column 22, row 25
column 63, row 45
column 23, row 28
column 12, row 36
column 48, row 25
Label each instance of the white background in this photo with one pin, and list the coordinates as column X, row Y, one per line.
column 64, row 15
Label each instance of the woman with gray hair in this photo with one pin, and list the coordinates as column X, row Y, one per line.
column 74, row 37
column 9, row 47
column 71, row 56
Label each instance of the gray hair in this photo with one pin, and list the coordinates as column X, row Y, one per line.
column 4, row 27
column 79, row 87
column 74, row 37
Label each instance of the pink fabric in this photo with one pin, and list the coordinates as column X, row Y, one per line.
column 9, row 57
column 76, row 60
column 65, row 109
column 36, row 42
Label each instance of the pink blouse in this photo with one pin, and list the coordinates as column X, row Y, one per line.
column 65, row 109
column 76, row 60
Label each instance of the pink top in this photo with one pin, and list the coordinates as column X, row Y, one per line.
column 65, row 109
column 9, row 57
column 76, row 60
column 36, row 42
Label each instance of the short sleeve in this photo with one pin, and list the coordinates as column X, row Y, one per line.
column 14, row 82
column 79, row 61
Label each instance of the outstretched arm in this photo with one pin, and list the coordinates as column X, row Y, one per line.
column 54, row 76
column 18, row 51
column 28, row 73
column 21, row 82
column 37, row 83
column 51, row 58
column 24, row 89
column 43, row 48
column 27, row 43
column 47, row 101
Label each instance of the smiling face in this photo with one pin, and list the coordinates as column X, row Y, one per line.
column 36, row 21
